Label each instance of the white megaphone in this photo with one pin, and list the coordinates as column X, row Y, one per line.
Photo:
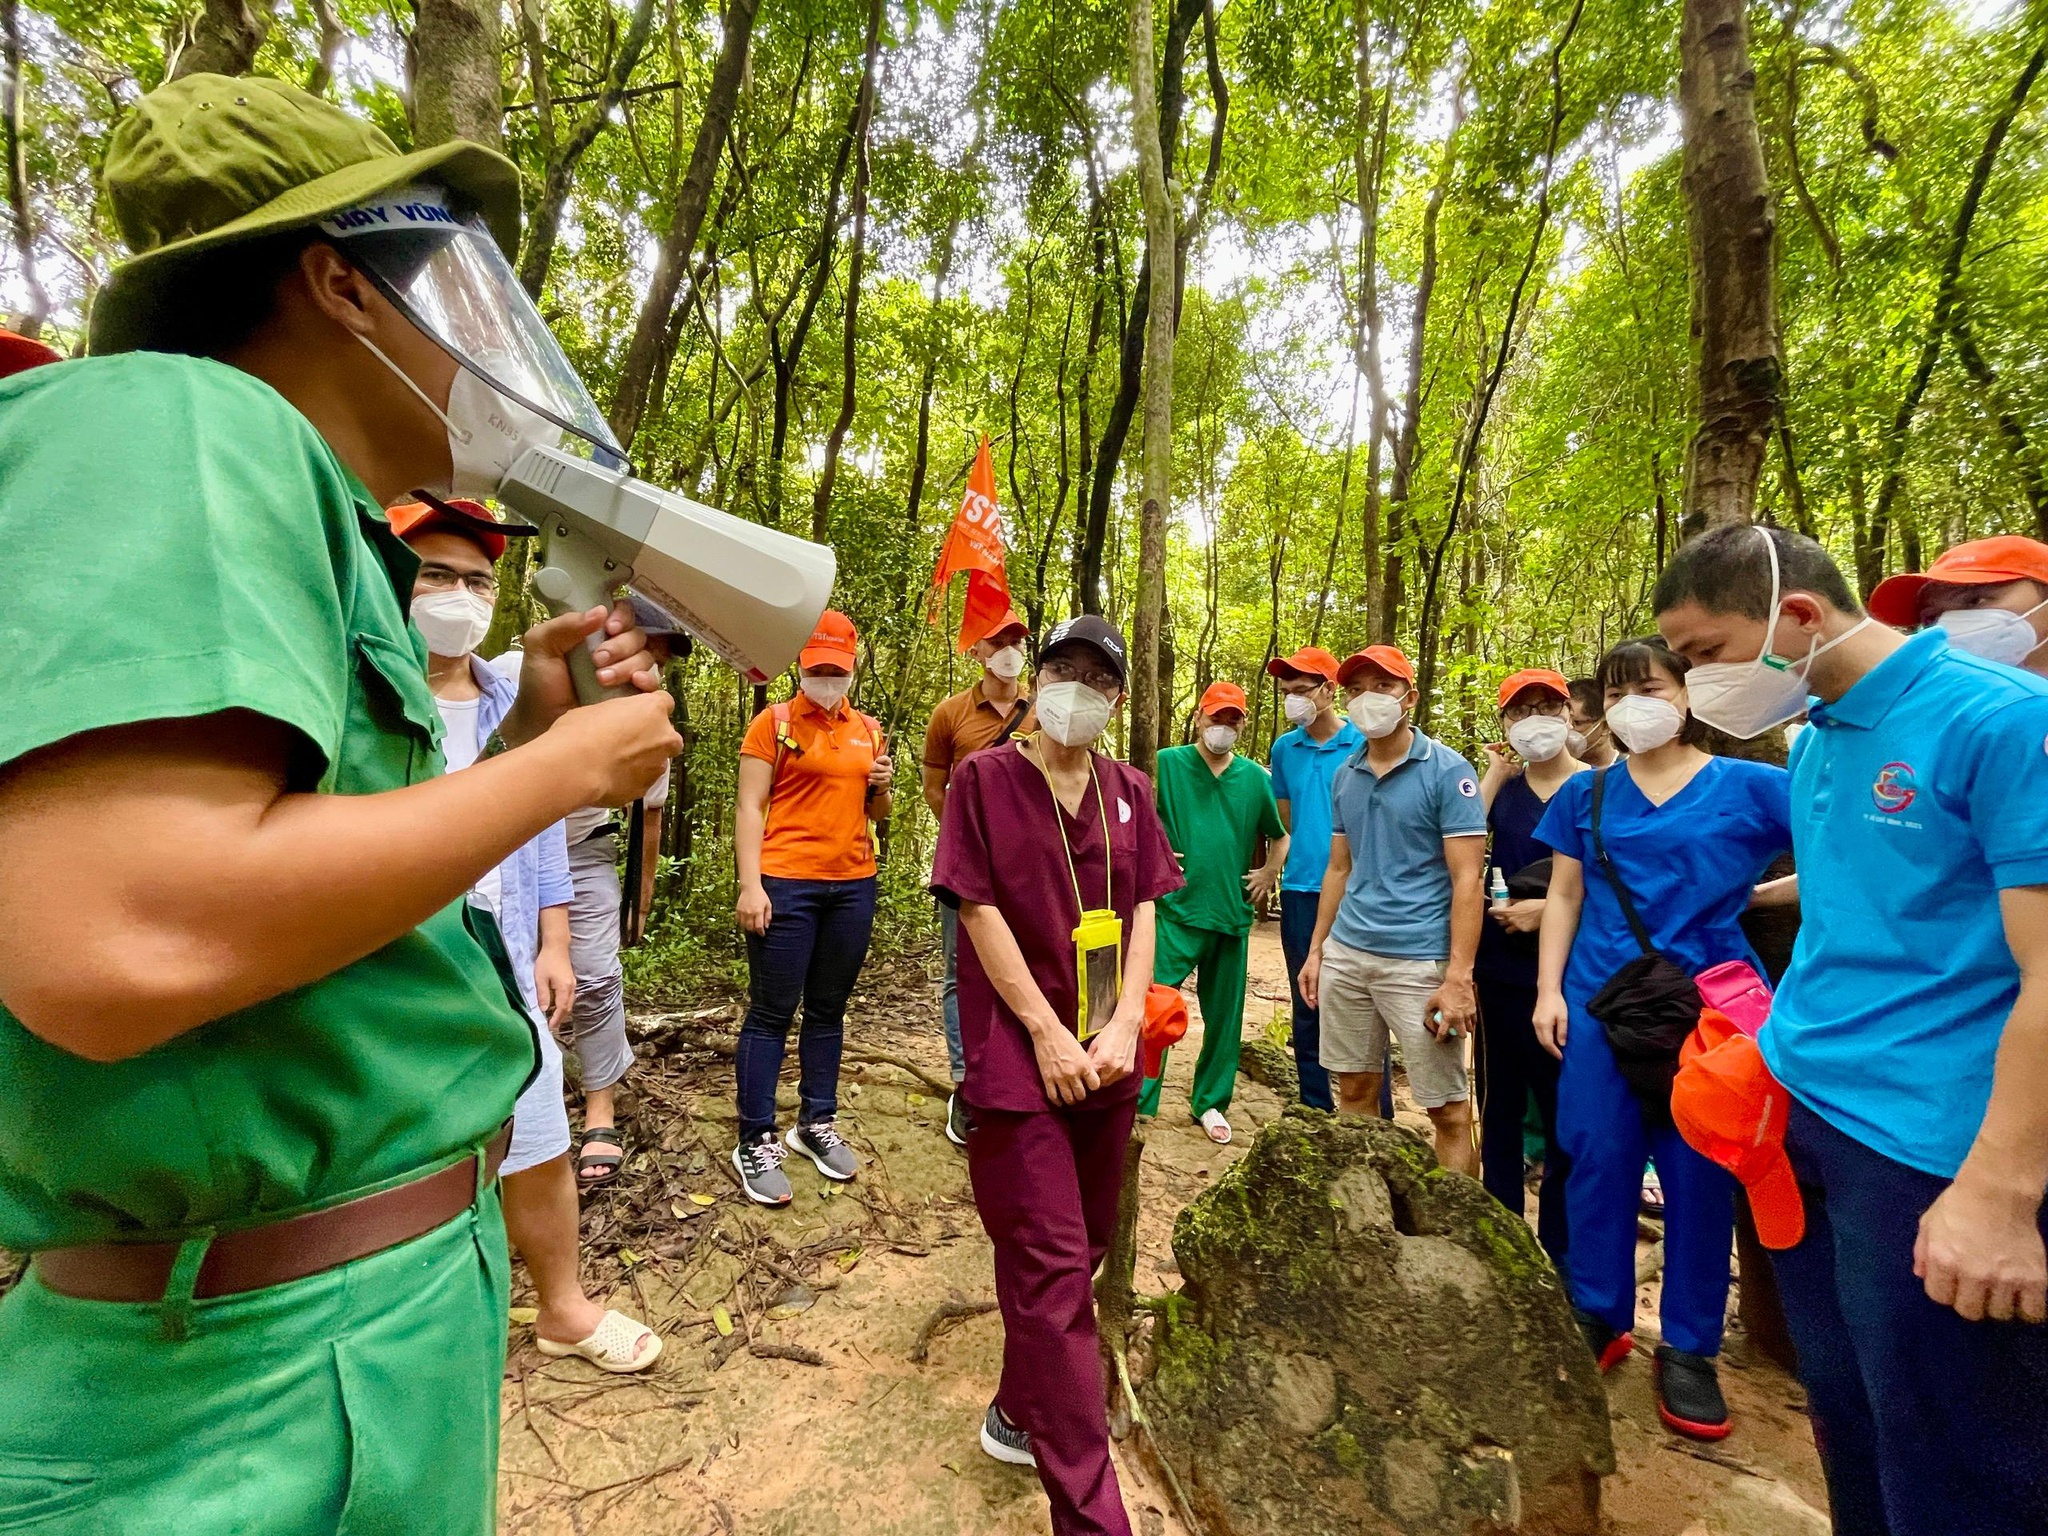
column 751, row 593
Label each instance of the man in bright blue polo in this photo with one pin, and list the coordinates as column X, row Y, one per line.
column 1912, row 1031
column 1397, row 925
column 1303, row 762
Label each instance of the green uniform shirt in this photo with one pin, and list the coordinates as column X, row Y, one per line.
column 178, row 540
column 1214, row 821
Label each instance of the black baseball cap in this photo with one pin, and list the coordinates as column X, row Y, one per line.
column 1092, row 630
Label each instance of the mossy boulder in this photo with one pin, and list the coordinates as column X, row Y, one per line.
column 1367, row 1343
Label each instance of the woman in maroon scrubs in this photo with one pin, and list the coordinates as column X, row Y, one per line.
column 1036, row 833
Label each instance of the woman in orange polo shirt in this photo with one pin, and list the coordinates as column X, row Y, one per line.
column 814, row 774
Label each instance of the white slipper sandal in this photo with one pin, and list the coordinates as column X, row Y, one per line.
column 619, row 1344
column 1218, row 1128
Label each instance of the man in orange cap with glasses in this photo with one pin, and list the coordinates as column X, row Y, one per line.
column 1990, row 596
column 1218, row 807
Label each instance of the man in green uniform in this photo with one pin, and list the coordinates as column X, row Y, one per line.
column 1216, row 806
column 254, row 1061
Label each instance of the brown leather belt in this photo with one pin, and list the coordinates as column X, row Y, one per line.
column 292, row 1249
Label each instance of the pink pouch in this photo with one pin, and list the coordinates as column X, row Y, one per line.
column 1734, row 988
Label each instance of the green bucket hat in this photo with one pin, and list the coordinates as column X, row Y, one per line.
column 208, row 161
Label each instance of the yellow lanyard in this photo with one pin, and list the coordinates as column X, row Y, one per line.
column 1059, row 816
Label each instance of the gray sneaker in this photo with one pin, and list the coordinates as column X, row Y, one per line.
column 824, row 1146
column 1005, row 1441
column 760, row 1165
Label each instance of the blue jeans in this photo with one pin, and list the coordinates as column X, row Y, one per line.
column 1927, row 1425
column 811, row 954
column 949, row 991
column 1297, row 927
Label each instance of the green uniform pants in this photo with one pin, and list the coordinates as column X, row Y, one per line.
column 358, row 1402
column 1219, row 961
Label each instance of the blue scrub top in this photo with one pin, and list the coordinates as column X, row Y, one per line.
column 1397, row 902
column 1517, row 811
column 1689, row 865
column 1917, row 797
column 1302, row 769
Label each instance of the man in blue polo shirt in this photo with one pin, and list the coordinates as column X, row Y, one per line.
column 1397, row 925
column 1912, row 1031
column 1303, row 762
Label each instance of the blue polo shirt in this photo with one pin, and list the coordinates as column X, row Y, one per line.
column 1397, row 902
column 1303, row 769
column 1917, row 797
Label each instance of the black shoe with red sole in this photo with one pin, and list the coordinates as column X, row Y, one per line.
column 1609, row 1348
column 1689, row 1395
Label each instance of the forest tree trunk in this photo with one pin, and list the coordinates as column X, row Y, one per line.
column 457, row 58
column 223, row 38
column 1732, row 230
column 863, row 116
column 1147, row 708
column 629, row 403
column 564, row 155
column 30, row 321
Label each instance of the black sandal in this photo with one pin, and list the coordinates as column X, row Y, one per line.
column 597, row 1168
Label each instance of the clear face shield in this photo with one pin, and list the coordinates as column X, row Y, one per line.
column 438, row 264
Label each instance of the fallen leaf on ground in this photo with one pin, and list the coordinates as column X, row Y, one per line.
column 722, row 1321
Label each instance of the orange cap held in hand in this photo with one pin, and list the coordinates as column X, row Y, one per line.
column 1166, row 1023
column 1732, row 1112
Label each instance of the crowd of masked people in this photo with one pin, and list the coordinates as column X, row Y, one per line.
column 273, row 977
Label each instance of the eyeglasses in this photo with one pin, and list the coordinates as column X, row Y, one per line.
column 1061, row 670
column 441, row 578
column 1553, row 707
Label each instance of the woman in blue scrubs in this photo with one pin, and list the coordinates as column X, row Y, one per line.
column 1689, row 834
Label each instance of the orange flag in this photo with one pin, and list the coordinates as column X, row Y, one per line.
column 975, row 545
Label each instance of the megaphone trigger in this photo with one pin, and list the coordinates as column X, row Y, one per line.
column 575, row 576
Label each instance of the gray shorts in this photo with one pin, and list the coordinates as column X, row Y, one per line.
column 540, row 1120
column 1365, row 996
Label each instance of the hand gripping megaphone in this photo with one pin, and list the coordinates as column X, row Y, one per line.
column 751, row 593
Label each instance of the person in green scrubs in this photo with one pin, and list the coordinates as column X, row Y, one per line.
column 240, row 999
column 1216, row 806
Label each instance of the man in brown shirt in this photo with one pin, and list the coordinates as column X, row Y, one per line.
column 985, row 715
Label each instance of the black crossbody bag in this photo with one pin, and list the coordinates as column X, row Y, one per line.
column 1650, row 1005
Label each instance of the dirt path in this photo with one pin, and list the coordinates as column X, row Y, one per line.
column 725, row 1439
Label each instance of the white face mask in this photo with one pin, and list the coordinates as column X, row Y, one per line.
column 826, row 692
column 1375, row 714
column 1072, row 714
column 1008, row 663
column 1575, row 743
column 1643, row 723
column 1219, row 739
column 1299, row 708
column 1747, row 698
column 453, row 623
column 1539, row 738
column 487, row 431
column 1996, row 634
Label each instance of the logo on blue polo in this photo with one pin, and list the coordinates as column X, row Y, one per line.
column 1896, row 788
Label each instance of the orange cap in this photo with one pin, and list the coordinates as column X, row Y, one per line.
column 1387, row 658
column 1309, row 661
column 1166, row 1022
column 1732, row 1112
column 1221, row 696
column 1011, row 620
column 1979, row 563
column 18, row 354
column 833, row 643
column 1535, row 677
column 470, row 518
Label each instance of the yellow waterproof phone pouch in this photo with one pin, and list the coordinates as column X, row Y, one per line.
column 1099, row 965
column 1099, row 941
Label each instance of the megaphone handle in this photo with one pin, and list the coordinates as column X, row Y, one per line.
column 574, row 577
